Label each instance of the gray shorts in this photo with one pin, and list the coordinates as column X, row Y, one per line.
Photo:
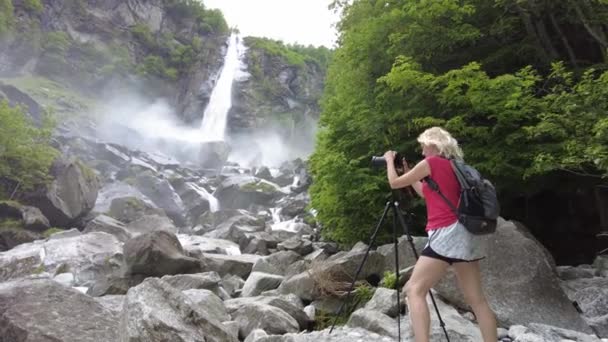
column 455, row 242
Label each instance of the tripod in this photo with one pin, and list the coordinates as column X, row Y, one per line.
column 398, row 218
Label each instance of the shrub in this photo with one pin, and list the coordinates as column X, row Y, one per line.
column 33, row 6
column 6, row 16
column 25, row 151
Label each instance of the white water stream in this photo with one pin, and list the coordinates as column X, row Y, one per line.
column 213, row 126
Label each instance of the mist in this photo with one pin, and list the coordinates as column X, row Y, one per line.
column 153, row 126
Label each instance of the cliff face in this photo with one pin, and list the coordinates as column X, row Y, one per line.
column 167, row 48
column 282, row 90
column 173, row 49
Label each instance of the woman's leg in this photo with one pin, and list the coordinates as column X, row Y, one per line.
column 427, row 273
column 469, row 280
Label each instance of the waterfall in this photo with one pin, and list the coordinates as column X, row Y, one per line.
column 214, row 118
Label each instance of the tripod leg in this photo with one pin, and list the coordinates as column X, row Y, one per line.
column 369, row 247
column 396, row 242
column 411, row 241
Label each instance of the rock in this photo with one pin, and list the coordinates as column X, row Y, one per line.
column 258, row 282
column 276, row 263
column 213, row 154
column 271, row 319
column 156, row 254
column 515, row 272
column 244, row 191
column 549, row 333
column 44, row 310
column 385, row 301
column 150, row 223
column 10, row 237
column 156, row 311
column 129, row 209
column 33, row 219
column 591, row 295
column 298, row 245
column 162, row 194
column 196, row 246
column 239, row 265
column 103, row 223
column 116, row 190
column 291, row 304
column 90, row 257
column 210, row 302
column 374, row 321
column 18, row 98
column 71, row 194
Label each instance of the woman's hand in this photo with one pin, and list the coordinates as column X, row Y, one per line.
column 389, row 157
column 406, row 167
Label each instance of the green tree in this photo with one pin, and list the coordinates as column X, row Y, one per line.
column 475, row 67
column 25, row 151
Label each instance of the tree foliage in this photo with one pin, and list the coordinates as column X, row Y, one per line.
column 25, row 153
column 520, row 83
column 6, row 16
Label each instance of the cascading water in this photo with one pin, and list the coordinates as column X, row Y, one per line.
column 213, row 126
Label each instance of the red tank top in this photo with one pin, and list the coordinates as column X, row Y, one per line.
column 439, row 214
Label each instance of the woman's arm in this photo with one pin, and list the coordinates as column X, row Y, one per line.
column 411, row 177
column 418, row 188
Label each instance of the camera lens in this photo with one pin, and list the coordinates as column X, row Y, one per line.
column 378, row 161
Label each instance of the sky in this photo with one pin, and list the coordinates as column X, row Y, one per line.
column 292, row 21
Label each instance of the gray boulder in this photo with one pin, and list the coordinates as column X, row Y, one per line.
column 245, row 191
column 130, row 208
column 44, row 310
column 156, row 254
column 239, row 265
column 71, row 194
column 31, row 217
column 515, row 272
column 90, row 257
column 258, row 282
column 276, row 263
column 210, row 302
column 162, row 194
column 271, row 319
column 156, row 311
column 103, row 223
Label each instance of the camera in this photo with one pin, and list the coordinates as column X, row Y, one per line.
column 379, row 161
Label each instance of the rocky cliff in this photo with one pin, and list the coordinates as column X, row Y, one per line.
column 284, row 86
column 68, row 53
column 164, row 48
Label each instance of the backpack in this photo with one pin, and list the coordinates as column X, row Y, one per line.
column 478, row 208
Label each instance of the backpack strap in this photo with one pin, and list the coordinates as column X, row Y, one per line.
column 435, row 187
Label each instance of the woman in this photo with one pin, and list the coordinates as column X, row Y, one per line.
column 449, row 242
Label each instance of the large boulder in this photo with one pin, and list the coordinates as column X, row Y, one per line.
column 161, row 192
column 158, row 253
column 44, row 310
column 520, row 283
column 90, row 257
column 115, row 190
column 213, row 154
column 244, row 191
column 31, row 217
column 71, row 194
column 156, row 311
column 103, row 223
column 269, row 318
column 591, row 294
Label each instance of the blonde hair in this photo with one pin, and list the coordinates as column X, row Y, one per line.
column 443, row 141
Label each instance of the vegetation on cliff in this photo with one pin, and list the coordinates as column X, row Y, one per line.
column 25, row 151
